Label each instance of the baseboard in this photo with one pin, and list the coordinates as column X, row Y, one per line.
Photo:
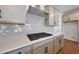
column 72, row 41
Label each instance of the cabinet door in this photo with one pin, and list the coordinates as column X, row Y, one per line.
column 45, row 49
column 51, row 16
column 71, row 17
column 75, row 16
column 61, row 42
column 66, row 18
column 56, row 45
column 57, row 17
column 51, row 19
column 50, row 48
column 40, row 50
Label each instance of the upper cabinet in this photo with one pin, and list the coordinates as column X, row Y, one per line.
column 53, row 17
column 50, row 18
column 57, row 17
column 66, row 18
column 13, row 14
column 74, row 16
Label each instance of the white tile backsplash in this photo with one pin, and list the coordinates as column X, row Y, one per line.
column 38, row 24
column 34, row 24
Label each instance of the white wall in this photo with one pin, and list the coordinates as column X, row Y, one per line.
column 13, row 12
column 70, row 30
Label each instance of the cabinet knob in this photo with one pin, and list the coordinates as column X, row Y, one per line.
column 19, row 52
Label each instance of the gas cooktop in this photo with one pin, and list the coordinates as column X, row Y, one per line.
column 36, row 36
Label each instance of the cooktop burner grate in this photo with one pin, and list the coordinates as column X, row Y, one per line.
column 38, row 35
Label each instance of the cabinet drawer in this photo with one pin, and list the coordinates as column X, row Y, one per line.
column 39, row 50
column 59, row 36
column 56, row 45
column 39, row 44
column 24, row 50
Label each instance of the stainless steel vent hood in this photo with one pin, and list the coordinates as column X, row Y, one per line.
column 36, row 11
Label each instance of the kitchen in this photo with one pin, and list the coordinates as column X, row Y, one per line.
column 35, row 29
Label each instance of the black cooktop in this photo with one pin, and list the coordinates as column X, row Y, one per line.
column 38, row 35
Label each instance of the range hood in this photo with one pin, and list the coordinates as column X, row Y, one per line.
column 11, row 22
column 36, row 11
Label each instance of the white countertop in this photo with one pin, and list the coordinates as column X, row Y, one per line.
column 11, row 43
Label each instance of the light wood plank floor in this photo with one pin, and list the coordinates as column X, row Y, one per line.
column 70, row 47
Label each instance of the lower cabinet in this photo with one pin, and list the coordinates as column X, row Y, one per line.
column 24, row 50
column 50, row 49
column 45, row 49
column 49, row 46
column 40, row 50
column 58, row 43
column 61, row 41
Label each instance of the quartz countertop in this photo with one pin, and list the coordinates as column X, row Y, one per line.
column 11, row 43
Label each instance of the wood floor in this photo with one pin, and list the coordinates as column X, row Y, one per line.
column 70, row 47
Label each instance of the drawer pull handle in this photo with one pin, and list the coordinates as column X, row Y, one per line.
column 46, row 49
column 19, row 52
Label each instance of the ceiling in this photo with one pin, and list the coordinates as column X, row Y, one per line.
column 66, row 8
